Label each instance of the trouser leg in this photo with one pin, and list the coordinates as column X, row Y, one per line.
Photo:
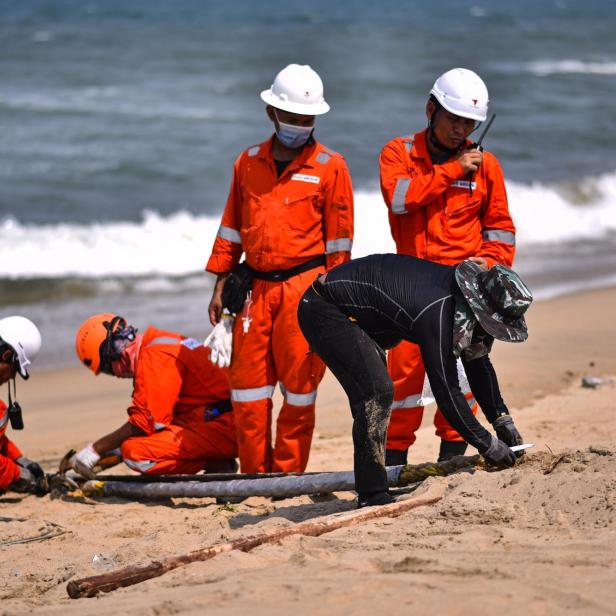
column 358, row 364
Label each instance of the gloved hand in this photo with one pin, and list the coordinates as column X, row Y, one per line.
column 508, row 433
column 498, row 454
column 32, row 466
column 27, row 483
column 220, row 341
column 83, row 461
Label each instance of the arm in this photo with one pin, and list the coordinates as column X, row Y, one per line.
column 498, row 228
column 338, row 217
column 114, row 439
column 405, row 192
column 9, row 472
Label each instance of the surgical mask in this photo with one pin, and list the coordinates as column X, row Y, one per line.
column 293, row 136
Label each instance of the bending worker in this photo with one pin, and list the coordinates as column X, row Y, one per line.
column 354, row 312
column 290, row 211
column 20, row 342
column 447, row 203
column 179, row 420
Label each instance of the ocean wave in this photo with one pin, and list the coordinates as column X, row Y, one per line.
column 159, row 248
column 545, row 68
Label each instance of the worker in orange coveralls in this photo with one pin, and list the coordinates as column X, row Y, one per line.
column 447, row 203
column 290, row 210
column 20, row 342
column 180, row 418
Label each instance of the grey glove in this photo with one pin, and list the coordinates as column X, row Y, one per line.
column 32, row 466
column 499, row 454
column 507, row 432
column 27, row 483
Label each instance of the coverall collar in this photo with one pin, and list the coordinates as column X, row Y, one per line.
column 420, row 146
column 305, row 158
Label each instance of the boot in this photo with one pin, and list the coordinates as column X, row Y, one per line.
column 450, row 449
column 395, row 457
column 374, row 499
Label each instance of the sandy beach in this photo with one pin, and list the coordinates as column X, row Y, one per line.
column 522, row 540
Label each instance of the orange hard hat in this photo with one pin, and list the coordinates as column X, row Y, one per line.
column 91, row 335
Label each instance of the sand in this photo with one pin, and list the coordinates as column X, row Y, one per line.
column 531, row 540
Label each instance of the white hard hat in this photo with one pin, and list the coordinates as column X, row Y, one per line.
column 23, row 337
column 297, row 89
column 463, row 93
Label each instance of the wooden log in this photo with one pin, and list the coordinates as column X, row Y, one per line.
column 90, row 586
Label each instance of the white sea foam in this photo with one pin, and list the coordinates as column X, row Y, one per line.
column 179, row 244
column 544, row 68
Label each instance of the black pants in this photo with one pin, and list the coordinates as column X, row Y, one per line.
column 360, row 366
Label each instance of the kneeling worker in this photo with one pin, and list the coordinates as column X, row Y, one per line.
column 20, row 342
column 358, row 309
column 180, row 419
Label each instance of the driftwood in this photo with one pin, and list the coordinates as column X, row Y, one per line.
column 90, row 586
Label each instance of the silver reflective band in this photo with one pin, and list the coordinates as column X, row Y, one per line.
column 472, row 402
column 298, row 399
column 323, row 158
column 410, row 402
column 496, row 235
column 397, row 203
column 254, row 150
column 408, row 143
column 4, row 419
column 252, row 394
column 227, row 233
column 159, row 426
column 342, row 243
column 164, row 340
column 141, row 466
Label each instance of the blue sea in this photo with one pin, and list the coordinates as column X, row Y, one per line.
column 120, row 122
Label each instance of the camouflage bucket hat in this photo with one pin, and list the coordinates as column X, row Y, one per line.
column 497, row 297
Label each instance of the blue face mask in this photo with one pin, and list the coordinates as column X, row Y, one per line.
column 293, row 136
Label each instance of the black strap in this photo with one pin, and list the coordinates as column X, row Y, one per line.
column 282, row 275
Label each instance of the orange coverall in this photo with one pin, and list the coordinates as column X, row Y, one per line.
column 9, row 471
column 437, row 213
column 174, row 385
column 279, row 223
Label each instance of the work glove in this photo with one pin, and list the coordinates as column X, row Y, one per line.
column 508, row 433
column 32, row 466
column 83, row 461
column 498, row 454
column 27, row 483
column 220, row 341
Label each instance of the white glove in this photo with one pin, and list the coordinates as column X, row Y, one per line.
column 220, row 341
column 83, row 461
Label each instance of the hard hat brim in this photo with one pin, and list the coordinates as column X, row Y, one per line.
column 311, row 109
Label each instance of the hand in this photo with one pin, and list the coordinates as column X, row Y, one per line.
column 215, row 306
column 507, row 432
column 481, row 262
column 498, row 454
column 33, row 467
column 471, row 161
column 220, row 341
column 83, row 461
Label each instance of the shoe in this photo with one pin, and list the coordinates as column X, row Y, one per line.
column 395, row 457
column 451, row 449
column 374, row 499
column 222, row 466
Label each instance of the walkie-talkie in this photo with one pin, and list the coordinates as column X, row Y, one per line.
column 476, row 145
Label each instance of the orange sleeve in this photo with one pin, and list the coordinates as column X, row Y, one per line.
column 338, row 217
column 9, row 471
column 157, row 389
column 404, row 191
column 227, row 248
column 498, row 230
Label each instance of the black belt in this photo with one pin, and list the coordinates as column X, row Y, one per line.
column 282, row 275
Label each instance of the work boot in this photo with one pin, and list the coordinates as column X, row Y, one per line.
column 374, row 499
column 222, row 466
column 450, row 449
column 395, row 457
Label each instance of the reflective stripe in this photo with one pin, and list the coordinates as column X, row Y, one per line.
column 227, row 233
column 342, row 243
column 397, row 203
column 471, row 402
column 496, row 235
column 139, row 465
column 159, row 426
column 298, row 399
column 323, row 158
column 254, row 150
column 163, row 340
column 253, row 394
column 4, row 419
column 410, row 402
column 408, row 143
